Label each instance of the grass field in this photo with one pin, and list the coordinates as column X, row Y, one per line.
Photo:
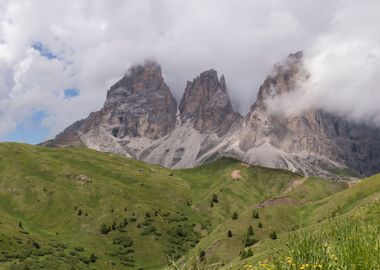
column 77, row 208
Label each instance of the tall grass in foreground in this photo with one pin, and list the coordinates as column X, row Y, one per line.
column 347, row 243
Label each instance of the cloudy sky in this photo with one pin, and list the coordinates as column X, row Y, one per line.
column 58, row 58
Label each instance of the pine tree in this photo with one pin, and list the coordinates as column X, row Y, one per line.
column 249, row 241
column 250, row 230
column 255, row 214
column 79, row 212
column 229, row 233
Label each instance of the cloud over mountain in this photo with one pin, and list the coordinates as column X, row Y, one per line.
column 47, row 47
column 343, row 67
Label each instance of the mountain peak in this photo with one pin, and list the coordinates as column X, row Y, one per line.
column 206, row 102
column 139, row 78
column 283, row 79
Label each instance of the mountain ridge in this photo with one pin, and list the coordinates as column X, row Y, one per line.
column 140, row 119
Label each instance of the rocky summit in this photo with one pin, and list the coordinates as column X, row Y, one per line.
column 207, row 104
column 139, row 119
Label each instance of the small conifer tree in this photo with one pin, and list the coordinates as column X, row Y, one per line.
column 250, row 230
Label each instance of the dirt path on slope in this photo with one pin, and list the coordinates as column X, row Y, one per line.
column 295, row 183
column 278, row 201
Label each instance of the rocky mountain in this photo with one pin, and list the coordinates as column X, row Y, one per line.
column 140, row 119
column 207, row 104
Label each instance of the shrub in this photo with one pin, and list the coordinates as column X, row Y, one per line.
column 260, row 225
column 273, row 235
column 93, row 258
column 125, row 241
column 202, row 255
column 85, row 260
column 125, row 222
column 79, row 249
column 235, row 216
column 36, row 244
column 249, row 253
column 229, row 233
column 104, row 229
column 243, row 255
column 215, row 198
column 255, row 214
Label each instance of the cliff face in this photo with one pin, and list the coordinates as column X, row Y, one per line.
column 321, row 139
column 139, row 119
column 139, row 105
column 207, row 104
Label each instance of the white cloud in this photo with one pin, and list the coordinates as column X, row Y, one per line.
column 97, row 40
column 344, row 68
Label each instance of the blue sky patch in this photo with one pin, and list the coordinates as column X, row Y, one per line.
column 71, row 92
column 43, row 50
column 30, row 130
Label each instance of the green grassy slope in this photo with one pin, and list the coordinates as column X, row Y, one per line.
column 42, row 189
column 54, row 202
column 345, row 221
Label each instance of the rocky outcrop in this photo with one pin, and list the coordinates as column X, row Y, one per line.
column 207, row 104
column 139, row 120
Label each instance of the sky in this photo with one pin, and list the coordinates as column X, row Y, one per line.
column 59, row 58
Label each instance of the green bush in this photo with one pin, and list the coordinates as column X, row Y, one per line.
column 273, row 235
column 104, row 229
column 249, row 252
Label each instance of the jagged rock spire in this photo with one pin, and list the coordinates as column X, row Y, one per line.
column 207, row 104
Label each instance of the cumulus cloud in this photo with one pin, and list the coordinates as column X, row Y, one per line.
column 343, row 65
column 90, row 44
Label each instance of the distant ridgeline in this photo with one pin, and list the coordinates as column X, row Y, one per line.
column 139, row 119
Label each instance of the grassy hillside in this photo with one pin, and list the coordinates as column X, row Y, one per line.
column 340, row 231
column 77, row 208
